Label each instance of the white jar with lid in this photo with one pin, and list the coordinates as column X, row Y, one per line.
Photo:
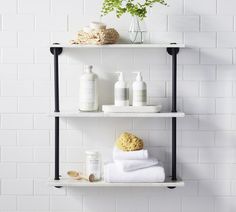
column 93, row 164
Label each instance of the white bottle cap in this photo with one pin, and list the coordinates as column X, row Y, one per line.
column 121, row 77
column 92, row 152
column 88, row 68
column 139, row 76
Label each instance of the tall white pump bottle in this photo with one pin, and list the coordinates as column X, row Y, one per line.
column 121, row 91
column 88, row 92
column 139, row 91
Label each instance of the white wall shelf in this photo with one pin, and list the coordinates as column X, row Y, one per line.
column 172, row 49
column 64, row 182
column 77, row 114
column 137, row 46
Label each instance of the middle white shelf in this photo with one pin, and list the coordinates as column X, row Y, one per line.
column 71, row 114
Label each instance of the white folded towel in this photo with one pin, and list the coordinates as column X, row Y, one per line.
column 131, row 155
column 131, row 165
column 114, row 174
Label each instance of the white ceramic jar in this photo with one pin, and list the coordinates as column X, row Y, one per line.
column 97, row 25
column 93, row 164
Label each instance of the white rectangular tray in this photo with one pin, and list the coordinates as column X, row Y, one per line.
column 131, row 109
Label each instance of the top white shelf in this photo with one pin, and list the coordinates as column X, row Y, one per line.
column 154, row 45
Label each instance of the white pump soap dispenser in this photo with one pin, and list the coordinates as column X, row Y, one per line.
column 139, row 91
column 121, row 91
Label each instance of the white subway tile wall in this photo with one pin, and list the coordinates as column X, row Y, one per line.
column 206, row 92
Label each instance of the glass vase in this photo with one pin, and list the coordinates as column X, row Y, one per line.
column 137, row 30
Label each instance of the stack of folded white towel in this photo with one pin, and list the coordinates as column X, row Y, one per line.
column 133, row 167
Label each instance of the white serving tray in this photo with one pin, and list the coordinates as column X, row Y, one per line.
column 131, row 109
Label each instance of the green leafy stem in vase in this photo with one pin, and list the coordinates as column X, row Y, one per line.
column 134, row 7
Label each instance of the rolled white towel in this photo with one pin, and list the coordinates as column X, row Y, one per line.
column 131, row 165
column 131, row 155
column 113, row 174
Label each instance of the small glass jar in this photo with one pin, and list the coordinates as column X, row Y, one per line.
column 93, row 164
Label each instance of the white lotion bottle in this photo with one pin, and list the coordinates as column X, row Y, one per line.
column 139, row 91
column 88, row 92
column 121, row 91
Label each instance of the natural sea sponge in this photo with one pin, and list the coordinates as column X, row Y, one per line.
column 97, row 37
column 129, row 142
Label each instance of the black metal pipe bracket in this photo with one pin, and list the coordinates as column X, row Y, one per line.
column 58, row 49
column 173, row 51
column 170, row 50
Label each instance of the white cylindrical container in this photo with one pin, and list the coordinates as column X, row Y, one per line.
column 121, row 92
column 87, row 29
column 97, row 25
column 88, row 96
column 139, row 91
column 93, row 164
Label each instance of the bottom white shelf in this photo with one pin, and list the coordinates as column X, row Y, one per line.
column 73, row 183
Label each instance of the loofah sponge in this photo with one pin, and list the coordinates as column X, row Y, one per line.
column 98, row 37
column 129, row 142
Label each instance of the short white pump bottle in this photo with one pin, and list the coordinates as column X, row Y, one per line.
column 121, row 91
column 139, row 91
column 88, row 92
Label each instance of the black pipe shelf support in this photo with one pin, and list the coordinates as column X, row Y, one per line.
column 173, row 52
column 56, row 51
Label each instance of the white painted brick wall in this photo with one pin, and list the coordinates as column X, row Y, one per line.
column 200, row 7
column 30, row 203
column 194, row 204
column 8, row 203
column 14, row 22
column 17, row 186
column 28, row 6
column 206, row 92
column 225, row 204
column 216, row 23
column 201, row 39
